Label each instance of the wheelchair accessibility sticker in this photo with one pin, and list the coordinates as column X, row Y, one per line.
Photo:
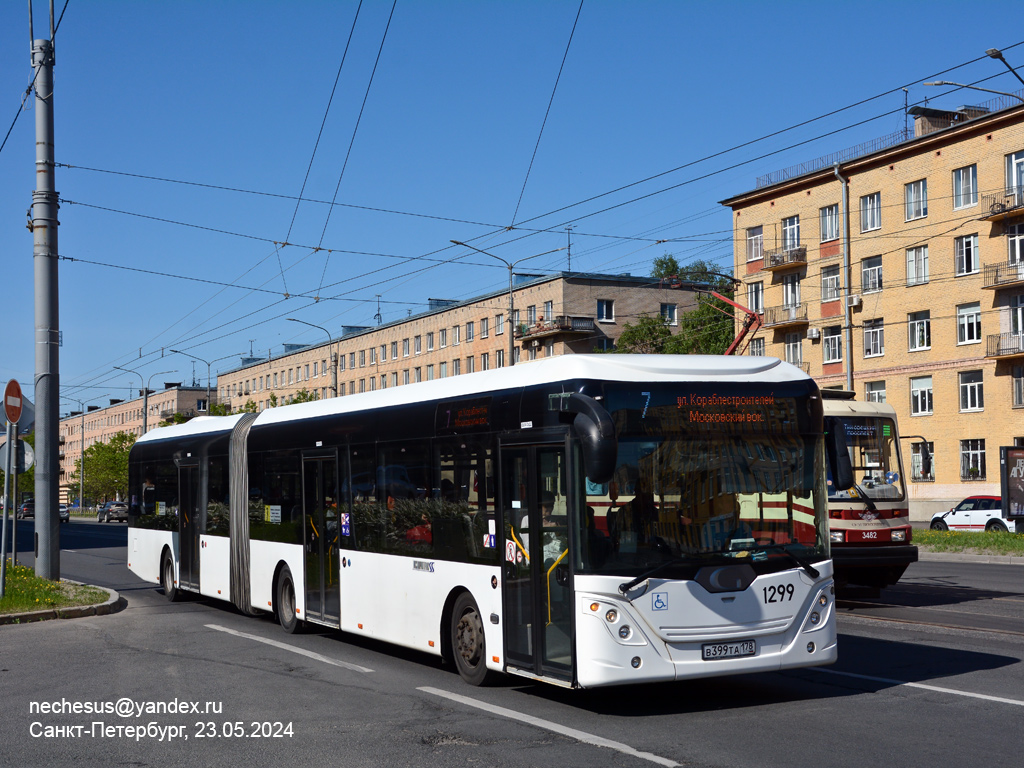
column 659, row 601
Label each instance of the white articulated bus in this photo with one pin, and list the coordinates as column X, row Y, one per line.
column 585, row 520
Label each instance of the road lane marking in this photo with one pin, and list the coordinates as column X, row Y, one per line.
column 291, row 648
column 572, row 733
column 936, row 688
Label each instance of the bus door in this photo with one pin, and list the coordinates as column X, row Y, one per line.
column 320, row 523
column 537, row 586
column 189, row 525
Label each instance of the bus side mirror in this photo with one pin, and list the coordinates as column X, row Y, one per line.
column 596, row 432
column 838, row 454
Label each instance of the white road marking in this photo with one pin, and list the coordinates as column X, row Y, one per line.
column 936, row 688
column 291, row 648
column 572, row 733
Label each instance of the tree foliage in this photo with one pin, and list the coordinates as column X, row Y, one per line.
column 304, row 396
column 106, row 468
column 665, row 266
column 219, row 409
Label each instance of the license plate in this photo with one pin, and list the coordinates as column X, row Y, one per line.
column 712, row 651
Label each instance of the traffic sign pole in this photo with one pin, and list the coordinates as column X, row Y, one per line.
column 7, row 505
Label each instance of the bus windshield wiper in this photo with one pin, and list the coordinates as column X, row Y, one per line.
column 628, row 585
column 811, row 570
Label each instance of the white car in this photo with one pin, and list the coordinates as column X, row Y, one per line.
column 975, row 513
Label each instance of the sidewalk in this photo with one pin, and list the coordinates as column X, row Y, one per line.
column 113, row 604
column 951, row 557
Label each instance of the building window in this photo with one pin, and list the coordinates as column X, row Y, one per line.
column 968, row 323
column 668, row 313
column 916, row 196
column 1015, row 176
column 417, row 374
column 362, row 359
column 1015, row 241
column 405, row 376
column 965, row 187
column 917, row 265
column 920, row 330
column 832, row 343
column 470, row 364
column 405, row 347
column 921, row 396
column 755, row 297
column 966, row 250
column 456, row 367
column 830, row 222
column 531, row 315
column 484, row 330
column 499, row 325
column 442, row 370
column 456, row 335
column 1018, row 386
column 972, row 392
column 756, row 348
column 790, row 291
column 470, row 328
column 315, row 374
column 442, row 338
column 485, row 361
column 430, row 373
column 791, row 233
column 394, row 350
column 549, row 310
column 499, row 358
column 755, row 243
column 871, row 274
column 916, row 461
column 362, row 385
column 417, row 344
column 373, row 355
column 874, row 338
column 830, row 283
column 291, row 378
column 430, row 341
column 373, row 383
column 794, row 348
column 972, row 459
column 306, row 372
column 549, row 348
column 871, row 212
column 605, row 310
column 351, row 360
column 874, row 391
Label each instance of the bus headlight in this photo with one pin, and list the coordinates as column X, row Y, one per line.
column 625, row 631
column 899, row 535
column 611, row 616
column 836, row 537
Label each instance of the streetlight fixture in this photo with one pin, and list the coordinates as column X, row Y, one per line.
column 145, row 393
column 511, row 307
column 995, row 53
column 208, row 375
column 334, row 355
column 977, row 88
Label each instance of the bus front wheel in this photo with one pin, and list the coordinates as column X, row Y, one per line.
column 167, row 579
column 285, row 602
column 468, row 646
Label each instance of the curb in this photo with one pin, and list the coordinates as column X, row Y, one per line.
column 113, row 604
column 952, row 557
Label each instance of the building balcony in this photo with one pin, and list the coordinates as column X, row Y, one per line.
column 1002, row 206
column 1004, row 345
column 785, row 258
column 561, row 324
column 782, row 317
column 1006, row 275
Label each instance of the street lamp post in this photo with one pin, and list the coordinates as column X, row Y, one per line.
column 995, row 53
column 511, row 307
column 976, row 88
column 334, row 355
column 208, row 374
column 145, row 393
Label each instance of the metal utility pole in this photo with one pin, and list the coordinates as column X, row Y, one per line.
column 47, row 330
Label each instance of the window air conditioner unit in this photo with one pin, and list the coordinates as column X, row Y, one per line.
column 813, row 333
column 853, row 301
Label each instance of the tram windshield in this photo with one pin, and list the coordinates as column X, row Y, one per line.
column 706, row 478
column 873, row 446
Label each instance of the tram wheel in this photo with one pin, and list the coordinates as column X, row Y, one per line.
column 469, row 648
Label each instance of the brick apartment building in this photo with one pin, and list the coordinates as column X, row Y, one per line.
column 911, row 291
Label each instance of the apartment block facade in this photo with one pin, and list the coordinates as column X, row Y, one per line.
column 908, row 288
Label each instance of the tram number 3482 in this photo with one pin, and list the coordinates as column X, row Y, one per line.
column 778, row 593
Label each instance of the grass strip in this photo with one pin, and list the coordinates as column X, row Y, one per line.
column 24, row 591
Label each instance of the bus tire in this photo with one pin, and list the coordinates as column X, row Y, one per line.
column 167, row 578
column 467, row 637
column 284, row 604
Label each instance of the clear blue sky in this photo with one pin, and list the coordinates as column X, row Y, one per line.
column 233, row 94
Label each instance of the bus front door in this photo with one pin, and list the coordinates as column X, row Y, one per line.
column 320, row 520
column 189, row 526
column 537, row 585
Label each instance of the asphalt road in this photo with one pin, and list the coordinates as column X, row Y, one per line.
column 910, row 689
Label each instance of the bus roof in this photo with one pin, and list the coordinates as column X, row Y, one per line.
column 201, row 425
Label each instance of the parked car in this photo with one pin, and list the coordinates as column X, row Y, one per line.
column 64, row 513
column 975, row 513
column 112, row 510
column 27, row 509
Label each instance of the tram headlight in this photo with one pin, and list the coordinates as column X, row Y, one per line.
column 899, row 535
column 836, row 537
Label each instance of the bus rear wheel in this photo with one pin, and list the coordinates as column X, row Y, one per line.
column 468, row 645
column 285, row 603
column 167, row 579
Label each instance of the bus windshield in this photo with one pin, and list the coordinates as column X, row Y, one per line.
column 873, row 453
column 743, row 480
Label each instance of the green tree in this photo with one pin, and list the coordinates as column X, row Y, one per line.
column 305, row 396
column 272, row 402
column 249, row 407
column 106, row 468
column 665, row 266
column 709, row 328
column 647, row 337
column 219, row 409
